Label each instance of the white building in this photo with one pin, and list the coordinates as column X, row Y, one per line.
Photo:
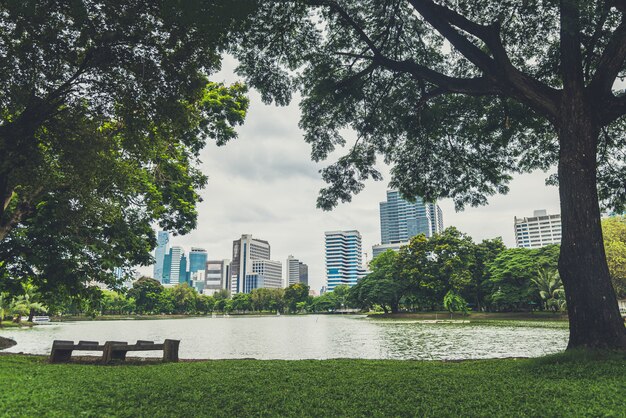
column 247, row 253
column 538, row 230
column 292, row 270
column 295, row 272
column 217, row 276
column 177, row 254
column 381, row 248
column 265, row 273
column 344, row 262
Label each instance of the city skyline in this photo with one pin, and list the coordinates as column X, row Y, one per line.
column 265, row 184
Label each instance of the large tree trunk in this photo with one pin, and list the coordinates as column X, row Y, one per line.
column 594, row 318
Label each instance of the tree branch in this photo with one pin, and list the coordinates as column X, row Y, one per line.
column 611, row 62
column 442, row 19
column 520, row 86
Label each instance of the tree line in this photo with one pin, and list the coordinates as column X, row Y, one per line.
column 446, row 271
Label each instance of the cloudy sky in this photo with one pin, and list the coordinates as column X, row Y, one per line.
column 264, row 184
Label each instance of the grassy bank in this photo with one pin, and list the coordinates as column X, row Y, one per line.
column 553, row 386
column 498, row 316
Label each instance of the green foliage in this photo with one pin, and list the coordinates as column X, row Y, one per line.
column 104, row 108
column 421, row 86
column 550, row 287
column 295, row 295
column 576, row 385
column 383, row 286
column 147, row 294
column 510, row 275
column 454, row 302
column 614, row 232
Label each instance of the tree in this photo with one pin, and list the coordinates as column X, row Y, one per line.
column 485, row 253
column 614, row 233
column 184, row 298
column 383, row 286
column 295, row 294
column 454, row 302
column 242, row 302
column 5, row 305
column 105, row 107
column 32, row 299
column 508, row 287
column 458, row 96
column 435, row 265
column 550, row 289
column 146, row 292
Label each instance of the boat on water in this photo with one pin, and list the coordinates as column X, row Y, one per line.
column 41, row 319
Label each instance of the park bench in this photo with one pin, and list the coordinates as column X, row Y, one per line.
column 112, row 350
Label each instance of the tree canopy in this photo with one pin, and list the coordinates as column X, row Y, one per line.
column 104, row 108
column 458, row 96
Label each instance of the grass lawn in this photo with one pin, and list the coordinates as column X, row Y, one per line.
column 562, row 385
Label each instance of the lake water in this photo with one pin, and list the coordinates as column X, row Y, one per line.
column 308, row 337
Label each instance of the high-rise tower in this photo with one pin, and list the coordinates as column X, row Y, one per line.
column 163, row 239
column 343, row 258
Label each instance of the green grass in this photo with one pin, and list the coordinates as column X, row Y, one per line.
column 563, row 385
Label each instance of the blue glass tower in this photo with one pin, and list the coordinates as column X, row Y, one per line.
column 163, row 238
column 401, row 220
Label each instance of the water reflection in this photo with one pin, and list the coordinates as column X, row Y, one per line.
column 307, row 337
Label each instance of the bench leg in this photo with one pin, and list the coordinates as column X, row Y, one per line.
column 60, row 355
column 170, row 350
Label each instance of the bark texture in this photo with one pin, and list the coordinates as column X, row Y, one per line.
column 594, row 317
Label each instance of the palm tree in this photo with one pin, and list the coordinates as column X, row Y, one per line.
column 32, row 299
column 550, row 287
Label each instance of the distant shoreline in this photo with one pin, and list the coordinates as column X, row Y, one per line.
column 525, row 316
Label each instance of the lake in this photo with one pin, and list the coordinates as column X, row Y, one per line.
column 309, row 337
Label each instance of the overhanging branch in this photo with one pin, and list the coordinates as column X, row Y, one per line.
column 611, row 62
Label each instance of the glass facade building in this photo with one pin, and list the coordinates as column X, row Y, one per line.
column 344, row 262
column 163, row 239
column 197, row 261
column 400, row 220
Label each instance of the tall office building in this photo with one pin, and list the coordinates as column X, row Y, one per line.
column 217, row 276
column 538, row 230
column 304, row 273
column 400, row 220
column 265, row 273
column 163, row 238
column 343, row 258
column 178, row 265
column 296, row 272
column 293, row 271
column 245, row 250
column 197, row 261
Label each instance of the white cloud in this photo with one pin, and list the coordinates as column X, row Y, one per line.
column 264, row 183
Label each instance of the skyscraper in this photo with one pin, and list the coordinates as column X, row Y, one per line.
column 178, row 264
column 343, row 258
column 293, row 271
column 304, row 273
column 296, row 271
column 400, row 220
column 245, row 250
column 163, row 239
column 197, row 260
column 538, row 230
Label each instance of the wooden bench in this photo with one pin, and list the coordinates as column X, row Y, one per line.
column 112, row 350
